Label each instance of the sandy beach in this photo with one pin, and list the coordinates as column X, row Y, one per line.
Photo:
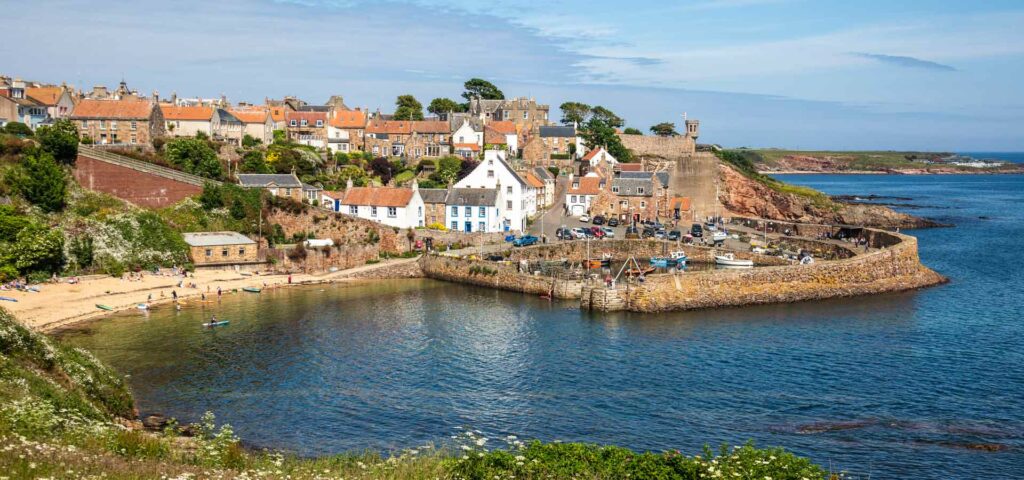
column 58, row 305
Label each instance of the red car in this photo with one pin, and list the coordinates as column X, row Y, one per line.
column 598, row 232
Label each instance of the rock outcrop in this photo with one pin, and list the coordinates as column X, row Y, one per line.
column 743, row 196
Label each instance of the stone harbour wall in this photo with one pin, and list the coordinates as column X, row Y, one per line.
column 502, row 276
column 620, row 250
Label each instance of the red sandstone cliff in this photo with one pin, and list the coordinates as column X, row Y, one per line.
column 745, row 197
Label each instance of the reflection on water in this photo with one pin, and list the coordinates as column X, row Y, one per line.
column 894, row 385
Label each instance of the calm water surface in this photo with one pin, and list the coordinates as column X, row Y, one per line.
column 893, row 386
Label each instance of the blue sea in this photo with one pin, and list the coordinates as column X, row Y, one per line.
column 925, row 384
column 1015, row 157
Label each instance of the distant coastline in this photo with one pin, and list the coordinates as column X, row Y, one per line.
column 788, row 162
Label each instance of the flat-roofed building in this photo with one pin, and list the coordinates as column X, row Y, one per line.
column 221, row 248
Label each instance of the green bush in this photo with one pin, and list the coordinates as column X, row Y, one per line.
column 40, row 180
column 60, row 140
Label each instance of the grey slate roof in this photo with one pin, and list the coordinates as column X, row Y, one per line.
column 313, row 108
column 226, row 116
column 433, row 195
column 543, row 173
column 308, row 187
column 287, row 180
column 629, row 187
column 662, row 178
column 455, row 121
column 558, row 131
column 472, row 197
column 216, row 239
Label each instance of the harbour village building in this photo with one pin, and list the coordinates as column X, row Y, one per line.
column 221, row 248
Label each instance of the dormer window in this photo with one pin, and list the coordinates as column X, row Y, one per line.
column 640, row 190
column 305, row 122
column 292, row 123
column 575, row 184
column 615, row 189
column 319, row 123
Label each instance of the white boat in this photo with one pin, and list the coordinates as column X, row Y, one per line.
column 679, row 257
column 719, row 236
column 730, row 260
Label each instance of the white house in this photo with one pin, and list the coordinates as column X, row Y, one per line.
column 466, row 134
column 473, row 210
column 397, row 207
column 582, row 192
column 516, row 198
column 597, row 155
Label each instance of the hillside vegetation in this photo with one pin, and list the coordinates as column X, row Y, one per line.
column 64, row 415
column 747, row 163
column 775, row 160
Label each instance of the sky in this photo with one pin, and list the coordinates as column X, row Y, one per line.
column 808, row 74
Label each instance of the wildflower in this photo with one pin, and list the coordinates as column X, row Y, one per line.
column 481, row 441
column 466, row 447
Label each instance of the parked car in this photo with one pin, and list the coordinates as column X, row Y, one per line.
column 631, row 232
column 495, row 257
column 564, row 233
column 598, row 220
column 710, row 226
column 674, row 235
column 585, row 218
column 697, row 231
column 657, row 225
column 597, row 232
column 659, row 233
column 525, row 240
column 613, row 222
column 608, row 233
column 579, row 233
column 647, row 233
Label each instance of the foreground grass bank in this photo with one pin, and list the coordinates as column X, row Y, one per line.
column 63, row 414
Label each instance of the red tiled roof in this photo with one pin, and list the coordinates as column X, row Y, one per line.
column 310, row 117
column 405, row 127
column 250, row 116
column 467, row 146
column 44, row 95
column 430, row 126
column 592, row 153
column 494, row 137
column 587, row 186
column 126, row 109
column 378, row 196
column 631, row 167
column 277, row 113
column 534, row 181
column 172, row 112
column 348, row 119
column 503, row 126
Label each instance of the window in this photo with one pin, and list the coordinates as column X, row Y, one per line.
column 526, row 115
column 481, row 227
column 508, row 205
column 490, row 174
column 376, row 149
column 573, row 199
column 292, row 123
column 508, row 190
column 103, row 125
column 134, row 140
column 490, row 162
column 643, row 204
column 305, row 122
column 640, row 190
column 85, row 124
column 319, row 123
column 209, row 252
column 392, row 212
column 241, row 251
column 113, row 124
column 353, row 210
column 433, row 151
column 504, row 115
column 615, row 189
column 455, row 226
column 224, row 252
column 469, row 211
column 373, row 211
column 462, row 139
column 135, row 125
column 455, row 211
column 575, row 184
column 483, row 212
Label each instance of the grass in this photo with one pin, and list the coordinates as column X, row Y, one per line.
column 746, row 163
column 866, row 161
column 62, row 415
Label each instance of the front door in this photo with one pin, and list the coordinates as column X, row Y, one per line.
column 469, row 226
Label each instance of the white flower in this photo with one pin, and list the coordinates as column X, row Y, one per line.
column 481, row 441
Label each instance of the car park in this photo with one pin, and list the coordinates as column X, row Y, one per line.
column 647, row 233
column 579, row 233
column 598, row 220
column 631, row 232
column 525, row 241
column 697, row 231
column 674, row 235
column 608, row 232
column 613, row 222
column 564, row 233
column 659, row 233
column 597, row 232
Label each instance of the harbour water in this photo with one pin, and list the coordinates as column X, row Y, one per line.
column 918, row 384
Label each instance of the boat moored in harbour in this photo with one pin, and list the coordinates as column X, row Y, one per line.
column 730, row 260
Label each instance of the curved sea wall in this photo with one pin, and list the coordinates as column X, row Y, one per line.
column 894, row 268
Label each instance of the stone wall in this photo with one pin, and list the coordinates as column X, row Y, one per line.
column 892, row 269
column 502, row 276
column 619, row 250
column 677, row 147
column 138, row 187
column 398, row 269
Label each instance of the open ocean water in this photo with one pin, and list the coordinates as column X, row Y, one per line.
column 909, row 385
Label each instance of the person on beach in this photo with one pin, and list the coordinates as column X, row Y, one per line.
column 174, row 295
column 149, row 299
column 218, row 292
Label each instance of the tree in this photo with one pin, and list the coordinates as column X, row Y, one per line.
column 211, row 197
column 41, row 180
column 38, row 248
column 354, row 173
column 280, row 136
column 61, row 140
column 448, row 169
column 441, row 106
column 255, row 162
column 18, row 128
column 482, row 89
column 574, row 112
column 632, row 131
column 408, row 108
column 249, row 141
column 384, row 169
column 599, row 134
column 664, row 129
column 607, row 116
column 194, row 156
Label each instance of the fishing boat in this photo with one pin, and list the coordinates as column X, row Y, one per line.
column 252, row 289
column 604, row 261
column 730, row 260
column 218, row 323
column 104, row 307
column 8, row 299
column 680, row 258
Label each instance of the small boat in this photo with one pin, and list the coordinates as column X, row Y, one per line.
column 104, row 307
column 680, row 258
column 142, row 306
column 8, row 299
column 252, row 289
column 218, row 323
column 730, row 260
column 719, row 236
column 639, row 271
